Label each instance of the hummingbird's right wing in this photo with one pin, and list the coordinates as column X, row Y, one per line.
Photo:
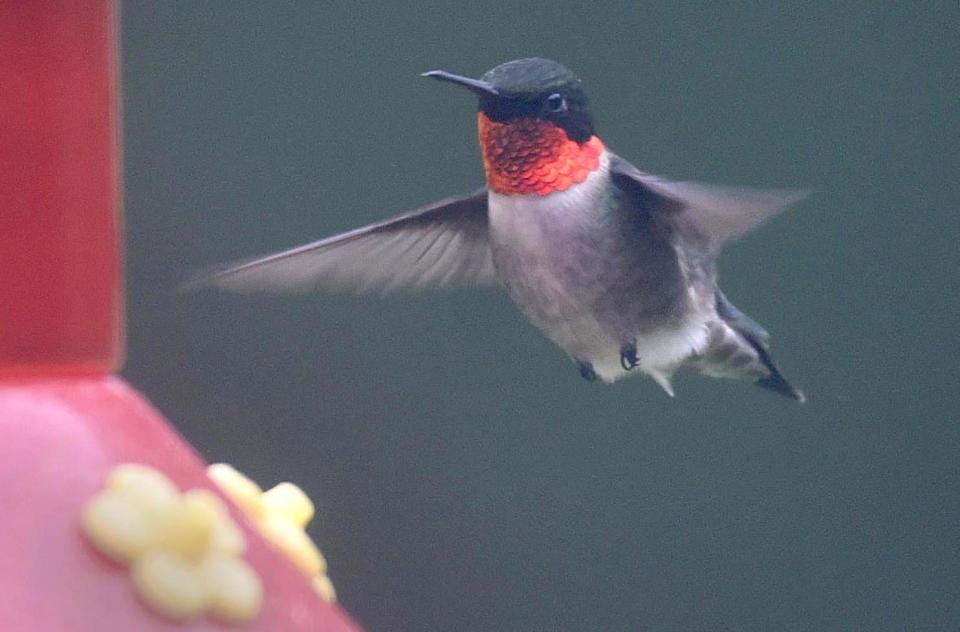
column 443, row 244
column 707, row 214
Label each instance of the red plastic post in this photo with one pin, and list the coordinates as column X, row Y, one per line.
column 60, row 298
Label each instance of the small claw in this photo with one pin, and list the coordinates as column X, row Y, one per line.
column 628, row 356
column 664, row 381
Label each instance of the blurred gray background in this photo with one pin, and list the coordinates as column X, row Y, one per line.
column 466, row 478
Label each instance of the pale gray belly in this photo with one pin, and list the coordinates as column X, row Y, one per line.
column 554, row 290
column 592, row 287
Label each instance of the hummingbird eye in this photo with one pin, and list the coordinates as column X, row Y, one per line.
column 556, row 103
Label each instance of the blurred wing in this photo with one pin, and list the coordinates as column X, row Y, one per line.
column 443, row 244
column 711, row 214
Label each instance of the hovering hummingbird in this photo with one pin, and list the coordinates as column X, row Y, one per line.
column 615, row 265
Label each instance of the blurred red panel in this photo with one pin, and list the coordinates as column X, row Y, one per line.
column 60, row 294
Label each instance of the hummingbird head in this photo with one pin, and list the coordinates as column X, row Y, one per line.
column 536, row 130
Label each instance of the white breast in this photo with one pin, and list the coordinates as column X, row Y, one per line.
column 531, row 237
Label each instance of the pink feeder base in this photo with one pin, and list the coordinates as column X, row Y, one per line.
column 60, row 439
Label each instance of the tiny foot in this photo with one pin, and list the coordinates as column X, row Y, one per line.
column 628, row 356
column 586, row 371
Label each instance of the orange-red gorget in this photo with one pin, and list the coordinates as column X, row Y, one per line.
column 532, row 155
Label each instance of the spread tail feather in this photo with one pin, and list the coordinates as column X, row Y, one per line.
column 737, row 347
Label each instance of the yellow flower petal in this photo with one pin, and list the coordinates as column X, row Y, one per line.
column 293, row 541
column 324, row 587
column 238, row 488
column 116, row 528
column 288, row 500
column 189, row 528
column 169, row 585
column 227, row 538
column 236, row 594
column 144, row 487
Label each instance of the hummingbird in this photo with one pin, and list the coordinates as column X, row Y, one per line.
column 616, row 266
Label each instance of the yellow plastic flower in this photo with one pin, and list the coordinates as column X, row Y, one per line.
column 184, row 551
column 281, row 514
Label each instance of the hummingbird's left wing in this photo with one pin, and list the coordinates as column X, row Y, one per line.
column 443, row 244
column 707, row 214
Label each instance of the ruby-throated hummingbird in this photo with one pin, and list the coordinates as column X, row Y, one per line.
column 615, row 265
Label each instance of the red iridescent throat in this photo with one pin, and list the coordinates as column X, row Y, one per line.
column 529, row 155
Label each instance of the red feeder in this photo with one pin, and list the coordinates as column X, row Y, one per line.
column 65, row 420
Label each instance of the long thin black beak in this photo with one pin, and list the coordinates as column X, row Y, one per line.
column 474, row 85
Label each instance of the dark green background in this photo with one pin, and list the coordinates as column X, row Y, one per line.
column 466, row 477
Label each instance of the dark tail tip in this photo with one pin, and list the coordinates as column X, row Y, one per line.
column 776, row 383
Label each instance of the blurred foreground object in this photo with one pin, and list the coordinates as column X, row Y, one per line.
column 184, row 551
column 282, row 514
column 66, row 422
column 59, row 194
